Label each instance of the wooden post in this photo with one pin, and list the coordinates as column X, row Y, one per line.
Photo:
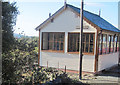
column 39, row 49
column 97, row 51
column 114, row 42
column 47, row 64
column 106, row 42
column 58, row 65
column 65, row 68
column 80, row 45
column 110, row 44
column 101, row 42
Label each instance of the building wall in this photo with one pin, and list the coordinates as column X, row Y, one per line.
column 67, row 22
column 70, row 60
column 107, row 60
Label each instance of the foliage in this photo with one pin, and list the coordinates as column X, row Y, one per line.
column 9, row 14
column 38, row 75
column 23, row 55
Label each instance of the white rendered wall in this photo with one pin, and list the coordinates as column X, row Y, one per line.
column 107, row 60
column 70, row 60
column 67, row 22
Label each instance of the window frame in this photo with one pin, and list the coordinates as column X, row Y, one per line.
column 86, row 53
column 111, row 44
column 115, row 43
column 104, row 43
column 118, row 43
column 53, row 41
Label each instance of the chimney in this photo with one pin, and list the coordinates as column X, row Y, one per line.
column 49, row 14
column 99, row 12
column 65, row 4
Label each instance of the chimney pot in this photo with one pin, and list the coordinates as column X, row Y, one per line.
column 49, row 14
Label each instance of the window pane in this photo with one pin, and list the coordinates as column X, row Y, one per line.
column 118, row 41
column 62, row 37
column 61, row 48
column 45, row 41
column 83, row 37
column 104, row 44
column 87, row 37
column 91, row 47
column 86, row 49
column 115, row 44
column 91, row 38
column 111, row 49
column 57, row 45
column 56, row 37
column 50, row 36
column 109, row 43
column 100, row 43
column 50, row 45
column 73, row 42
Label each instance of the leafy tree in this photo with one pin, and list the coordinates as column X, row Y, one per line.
column 9, row 14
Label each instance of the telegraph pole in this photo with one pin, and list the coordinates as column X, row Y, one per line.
column 81, row 33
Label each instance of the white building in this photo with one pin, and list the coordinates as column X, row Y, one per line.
column 59, row 41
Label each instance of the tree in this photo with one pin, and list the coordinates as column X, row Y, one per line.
column 9, row 14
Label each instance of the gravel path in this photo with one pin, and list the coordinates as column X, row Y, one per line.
column 111, row 76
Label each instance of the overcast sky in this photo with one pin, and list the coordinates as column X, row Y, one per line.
column 34, row 12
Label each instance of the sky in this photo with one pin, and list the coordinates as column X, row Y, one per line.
column 33, row 12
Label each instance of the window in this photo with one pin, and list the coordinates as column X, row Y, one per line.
column 88, row 42
column 118, row 43
column 115, row 44
column 108, row 44
column 73, row 42
column 112, row 43
column 100, row 44
column 53, row 41
column 104, row 44
column 109, row 41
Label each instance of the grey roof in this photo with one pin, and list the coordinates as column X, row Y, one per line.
column 96, row 19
